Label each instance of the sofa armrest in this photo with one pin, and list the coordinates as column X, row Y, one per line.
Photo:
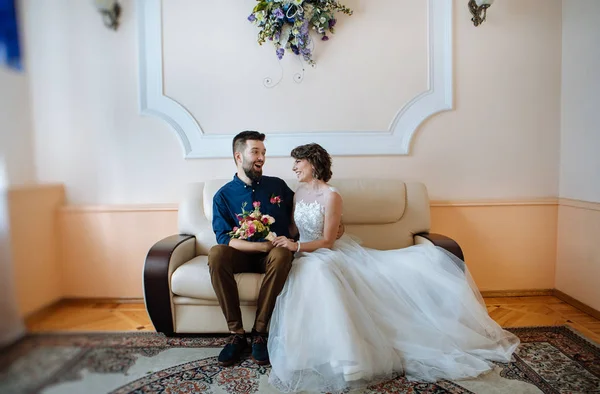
column 443, row 242
column 162, row 259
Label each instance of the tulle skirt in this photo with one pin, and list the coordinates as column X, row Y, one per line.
column 352, row 316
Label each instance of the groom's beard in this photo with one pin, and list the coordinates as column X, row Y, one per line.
column 251, row 172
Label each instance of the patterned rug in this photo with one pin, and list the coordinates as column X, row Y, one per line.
column 549, row 360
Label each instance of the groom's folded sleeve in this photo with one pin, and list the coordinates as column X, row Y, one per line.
column 220, row 222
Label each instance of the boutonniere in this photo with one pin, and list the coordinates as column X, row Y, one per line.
column 276, row 200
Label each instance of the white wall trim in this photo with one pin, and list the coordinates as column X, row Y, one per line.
column 395, row 141
column 174, row 207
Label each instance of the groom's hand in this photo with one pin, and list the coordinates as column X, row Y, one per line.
column 267, row 246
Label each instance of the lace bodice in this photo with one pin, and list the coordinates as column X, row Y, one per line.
column 310, row 220
column 309, row 215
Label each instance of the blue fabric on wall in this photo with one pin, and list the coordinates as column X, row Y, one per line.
column 10, row 50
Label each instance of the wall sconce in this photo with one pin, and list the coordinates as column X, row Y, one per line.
column 479, row 8
column 111, row 11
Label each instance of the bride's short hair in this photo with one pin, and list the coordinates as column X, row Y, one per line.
column 318, row 157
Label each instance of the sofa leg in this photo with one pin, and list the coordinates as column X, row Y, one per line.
column 167, row 333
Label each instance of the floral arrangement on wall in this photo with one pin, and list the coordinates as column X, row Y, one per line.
column 288, row 23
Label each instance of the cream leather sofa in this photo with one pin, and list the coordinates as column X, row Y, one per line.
column 384, row 214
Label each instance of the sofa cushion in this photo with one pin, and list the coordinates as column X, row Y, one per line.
column 383, row 213
column 371, row 201
column 366, row 201
column 192, row 279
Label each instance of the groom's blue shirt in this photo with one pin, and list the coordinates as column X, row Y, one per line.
column 228, row 202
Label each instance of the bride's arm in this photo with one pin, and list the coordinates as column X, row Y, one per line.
column 333, row 216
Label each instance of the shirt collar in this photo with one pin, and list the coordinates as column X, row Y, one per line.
column 239, row 182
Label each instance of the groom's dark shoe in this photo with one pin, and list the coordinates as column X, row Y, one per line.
column 232, row 351
column 260, row 354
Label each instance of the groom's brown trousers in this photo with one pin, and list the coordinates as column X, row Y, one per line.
column 225, row 261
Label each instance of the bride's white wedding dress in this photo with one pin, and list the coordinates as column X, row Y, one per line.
column 352, row 316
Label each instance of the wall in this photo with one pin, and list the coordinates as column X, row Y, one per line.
column 104, row 247
column 578, row 251
column 580, row 136
column 11, row 324
column 85, row 94
column 33, row 212
column 119, row 167
column 15, row 127
column 17, row 170
column 508, row 245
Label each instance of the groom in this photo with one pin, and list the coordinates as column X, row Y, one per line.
column 232, row 255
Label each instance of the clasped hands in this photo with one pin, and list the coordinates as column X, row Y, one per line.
column 285, row 242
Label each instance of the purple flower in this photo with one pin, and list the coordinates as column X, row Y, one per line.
column 251, row 18
column 302, row 39
column 325, row 38
column 277, row 36
column 305, row 51
column 280, row 53
column 294, row 49
column 304, row 28
column 278, row 13
column 332, row 23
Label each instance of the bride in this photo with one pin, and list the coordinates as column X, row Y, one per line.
column 349, row 316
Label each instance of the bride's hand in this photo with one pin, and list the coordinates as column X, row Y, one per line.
column 278, row 239
column 284, row 242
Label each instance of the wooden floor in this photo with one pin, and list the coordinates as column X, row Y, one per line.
column 104, row 316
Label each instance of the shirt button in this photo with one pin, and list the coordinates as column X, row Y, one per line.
column 252, row 189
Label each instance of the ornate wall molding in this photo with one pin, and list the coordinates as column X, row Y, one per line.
column 395, row 141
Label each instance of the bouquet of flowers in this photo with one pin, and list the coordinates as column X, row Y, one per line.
column 287, row 23
column 253, row 224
